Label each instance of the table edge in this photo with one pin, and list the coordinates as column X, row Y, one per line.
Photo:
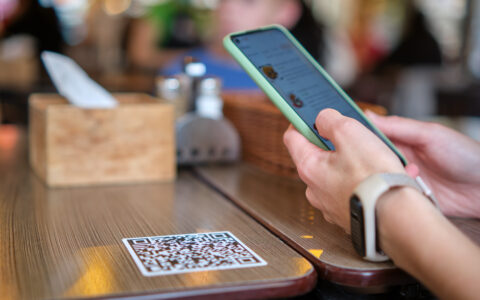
column 355, row 278
column 284, row 288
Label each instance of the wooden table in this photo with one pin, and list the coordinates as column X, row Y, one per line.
column 280, row 204
column 67, row 243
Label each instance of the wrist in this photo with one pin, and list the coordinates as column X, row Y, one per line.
column 394, row 211
column 389, row 200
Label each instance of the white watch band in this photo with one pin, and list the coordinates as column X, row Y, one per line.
column 369, row 191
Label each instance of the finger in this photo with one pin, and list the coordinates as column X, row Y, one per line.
column 309, row 195
column 412, row 170
column 312, row 198
column 328, row 219
column 400, row 129
column 299, row 147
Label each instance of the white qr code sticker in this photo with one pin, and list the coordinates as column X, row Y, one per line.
column 183, row 253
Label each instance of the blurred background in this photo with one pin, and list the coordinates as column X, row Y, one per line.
column 419, row 58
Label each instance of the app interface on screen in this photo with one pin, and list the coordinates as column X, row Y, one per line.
column 293, row 76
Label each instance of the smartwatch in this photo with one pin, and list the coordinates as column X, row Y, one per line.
column 362, row 210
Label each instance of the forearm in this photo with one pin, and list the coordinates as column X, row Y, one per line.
column 425, row 244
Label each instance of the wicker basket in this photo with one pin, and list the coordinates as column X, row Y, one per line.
column 261, row 126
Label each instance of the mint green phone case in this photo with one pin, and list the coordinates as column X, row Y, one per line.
column 278, row 100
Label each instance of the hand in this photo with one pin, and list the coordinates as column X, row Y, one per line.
column 331, row 176
column 448, row 161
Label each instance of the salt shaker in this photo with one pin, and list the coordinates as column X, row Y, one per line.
column 208, row 102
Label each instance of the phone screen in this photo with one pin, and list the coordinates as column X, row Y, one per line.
column 294, row 77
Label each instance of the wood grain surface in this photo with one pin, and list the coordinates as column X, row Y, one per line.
column 66, row 243
column 280, row 204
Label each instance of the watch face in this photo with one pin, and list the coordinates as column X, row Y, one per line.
column 357, row 225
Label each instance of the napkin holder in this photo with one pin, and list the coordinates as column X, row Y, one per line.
column 71, row 146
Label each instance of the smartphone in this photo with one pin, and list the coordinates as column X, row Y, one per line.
column 294, row 81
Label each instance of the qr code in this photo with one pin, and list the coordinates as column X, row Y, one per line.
column 174, row 254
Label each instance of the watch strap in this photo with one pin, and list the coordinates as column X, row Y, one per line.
column 369, row 191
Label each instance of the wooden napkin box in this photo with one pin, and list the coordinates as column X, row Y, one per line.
column 134, row 142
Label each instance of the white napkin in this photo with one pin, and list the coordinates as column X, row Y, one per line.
column 74, row 84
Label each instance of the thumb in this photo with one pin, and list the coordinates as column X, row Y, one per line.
column 342, row 131
column 326, row 122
